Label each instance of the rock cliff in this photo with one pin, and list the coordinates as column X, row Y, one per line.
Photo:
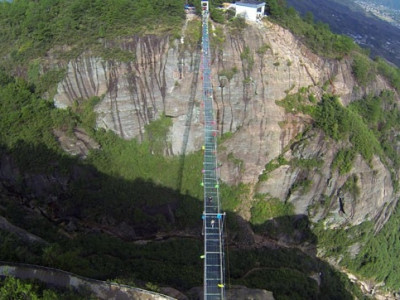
column 252, row 69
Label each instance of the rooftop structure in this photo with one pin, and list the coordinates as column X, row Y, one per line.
column 251, row 10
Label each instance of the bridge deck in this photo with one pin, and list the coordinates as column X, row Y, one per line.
column 213, row 219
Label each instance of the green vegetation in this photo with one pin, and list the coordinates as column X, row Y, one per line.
column 157, row 134
column 237, row 25
column 132, row 183
column 217, row 38
column 236, row 161
column 29, row 29
column 13, row 288
column 215, row 14
column 267, row 207
column 193, row 35
column 390, row 72
column 378, row 258
column 341, row 123
column 351, row 186
column 228, row 73
column 232, row 196
column 303, row 185
column 336, row 242
column 381, row 115
column 28, row 119
column 286, row 273
column 343, row 161
column 272, row 165
column 247, row 56
column 298, row 102
column 364, row 69
column 174, row 262
column 317, row 36
column 263, row 49
column 306, row 163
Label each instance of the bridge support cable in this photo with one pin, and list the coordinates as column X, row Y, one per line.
column 213, row 218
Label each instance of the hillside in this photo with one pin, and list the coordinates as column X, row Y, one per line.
column 382, row 11
column 101, row 150
column 382, row 38
column 389, row 3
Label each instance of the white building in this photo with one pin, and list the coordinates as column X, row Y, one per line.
column 251, row 10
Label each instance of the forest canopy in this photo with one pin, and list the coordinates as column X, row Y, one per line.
column 29, row 28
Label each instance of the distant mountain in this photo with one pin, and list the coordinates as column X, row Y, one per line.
column 395, row 4
column 376, row 8
column 346, row 17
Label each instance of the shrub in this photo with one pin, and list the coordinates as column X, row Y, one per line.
column 343, row 161
column 266, row 208
column 363, row 69
column 339, row 123
column 390, row 72
column 306, row 164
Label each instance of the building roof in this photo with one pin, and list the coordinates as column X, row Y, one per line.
column 251, row 3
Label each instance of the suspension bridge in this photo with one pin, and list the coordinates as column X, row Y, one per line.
column 213, row 218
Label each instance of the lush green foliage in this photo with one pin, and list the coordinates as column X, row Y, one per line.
column 337, row 242
column 176, row 262
column 298, row 102
column 157, row 134
column 390, row 72
column 272, row 165
column 193, row 35
column 29, row 28
column 317, row 36
column 232, row 196
column 343, row 160
column 247, row 58
column 351, row 186
column 132, row 178
column 363, row 69
column 381, row 115
column 237, row 25
column 340, row 123
column 306, row 164
column 28, row 119
column 286, row 272
column 379, row 259
column 266, row 208
column 228, row 73
column 13, row 288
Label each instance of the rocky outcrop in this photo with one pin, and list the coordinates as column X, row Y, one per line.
column 24, row 235
column 250, row 70
column 77, row 143
column 326, row 197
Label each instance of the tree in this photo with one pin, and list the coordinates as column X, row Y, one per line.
column 274, row 9
column 363, row 69
column 14, row 289
column 309, row 17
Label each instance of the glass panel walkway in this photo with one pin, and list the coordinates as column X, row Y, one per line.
column 213, row 218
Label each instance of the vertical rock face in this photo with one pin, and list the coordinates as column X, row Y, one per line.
column 133, row 93
column 251, row 70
